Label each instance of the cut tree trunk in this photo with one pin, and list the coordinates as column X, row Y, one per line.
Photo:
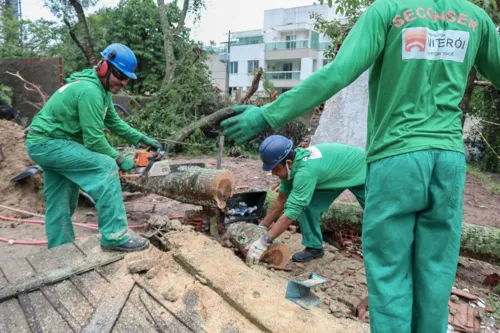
column 477, row 241
column 196, row 186
column 242, row 235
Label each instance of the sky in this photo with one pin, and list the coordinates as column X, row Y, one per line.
column 217, row 19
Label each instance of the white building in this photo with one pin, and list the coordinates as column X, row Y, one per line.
column 287, row 48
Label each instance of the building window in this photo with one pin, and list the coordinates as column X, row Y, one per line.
column 290, row 42
column 233, row 67
column 287, row 67
column 253, row 65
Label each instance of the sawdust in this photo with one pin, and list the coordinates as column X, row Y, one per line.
column 24, row 196
column 196, row 303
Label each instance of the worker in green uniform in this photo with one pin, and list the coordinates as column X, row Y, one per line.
column 419, row 53
column 311, row 179
column 66, row 139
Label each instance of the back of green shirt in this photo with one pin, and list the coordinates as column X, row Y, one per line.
column 420, row 53
column 325, row 166
column 79, row 111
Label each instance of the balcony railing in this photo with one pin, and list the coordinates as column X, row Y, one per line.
column 288, row 45
column 324, row 45
column 283, row 75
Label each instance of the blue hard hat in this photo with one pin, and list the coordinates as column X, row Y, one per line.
column 122, row 58
column 273, row 150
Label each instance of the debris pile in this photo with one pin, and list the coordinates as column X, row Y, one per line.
column 24, row 195
column 467, row 312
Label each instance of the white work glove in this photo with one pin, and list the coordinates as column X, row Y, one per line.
column 256, row 249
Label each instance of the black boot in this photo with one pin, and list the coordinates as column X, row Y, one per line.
column 308, row 254
column 135, row 243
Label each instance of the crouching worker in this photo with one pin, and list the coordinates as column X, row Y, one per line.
column 311, row 179
column 66, row 139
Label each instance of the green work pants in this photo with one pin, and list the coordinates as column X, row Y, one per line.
column 67, row 167
column 411, row 239
column 320, row 202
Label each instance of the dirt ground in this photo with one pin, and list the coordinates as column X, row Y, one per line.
column 24, row 196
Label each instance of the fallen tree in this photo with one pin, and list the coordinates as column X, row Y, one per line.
column 195, row 185
column 212, row 120
column 477, row 241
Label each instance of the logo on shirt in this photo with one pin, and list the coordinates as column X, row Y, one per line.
column 315, row 153
column 423, row 43
column 415, row 40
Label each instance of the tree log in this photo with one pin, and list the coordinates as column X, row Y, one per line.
column 477, row 241
column 210, row 120
column 196, row 186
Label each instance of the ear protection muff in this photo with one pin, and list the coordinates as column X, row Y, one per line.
column 102, row 68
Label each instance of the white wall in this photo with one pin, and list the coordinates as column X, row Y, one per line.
column 344, row 119
column 242, row 54
column 306, row 67
column 218, row 70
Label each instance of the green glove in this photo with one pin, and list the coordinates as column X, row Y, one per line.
column 244, row 126
column 150, row 142
column 126, row 164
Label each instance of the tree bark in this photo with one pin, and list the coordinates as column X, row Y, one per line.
column 469, row 88
column 477, row 241
column 87, row 42
column 182, row 18
column 210, row 120
column 167, row 43
column 196, row 186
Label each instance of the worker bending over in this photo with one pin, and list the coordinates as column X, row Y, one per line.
column 419, row 53
column 66, row 139
column 311, row 179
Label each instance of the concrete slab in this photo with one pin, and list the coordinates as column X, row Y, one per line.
column 260, row 297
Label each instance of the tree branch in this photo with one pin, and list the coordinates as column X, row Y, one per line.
column 253, row 88
column 167, row 43
column 89, row 48
column 207, row 121
column 28, row 86
column 483, row 83
column 74, row 38
column 182, row 18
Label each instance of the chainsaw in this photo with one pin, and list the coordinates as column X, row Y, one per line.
column 154, row 164
column 149, row 164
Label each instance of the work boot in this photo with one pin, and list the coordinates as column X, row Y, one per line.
column 308, row 254
column 135, row 243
